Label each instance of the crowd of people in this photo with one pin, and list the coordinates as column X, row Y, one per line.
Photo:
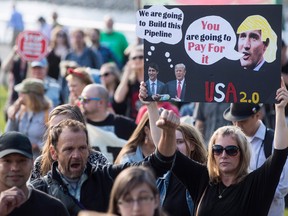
column 81, row 138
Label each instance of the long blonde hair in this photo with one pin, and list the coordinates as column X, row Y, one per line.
column 244, row 147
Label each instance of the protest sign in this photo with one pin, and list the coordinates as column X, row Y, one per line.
column 231, row 53
column 32, row 45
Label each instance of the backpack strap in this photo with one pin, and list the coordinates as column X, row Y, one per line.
column 268, row 141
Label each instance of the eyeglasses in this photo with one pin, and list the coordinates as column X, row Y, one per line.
column 230, row 150
column 87, row 100
column 137, row 57
column 142, row 201
column 105, row 74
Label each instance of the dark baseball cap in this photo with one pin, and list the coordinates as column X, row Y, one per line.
column 241, row 111
column 15, row 142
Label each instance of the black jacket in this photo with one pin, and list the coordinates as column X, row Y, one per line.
column 95, row 191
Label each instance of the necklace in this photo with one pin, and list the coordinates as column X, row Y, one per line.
column 221, row 192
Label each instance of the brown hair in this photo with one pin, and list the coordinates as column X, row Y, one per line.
column 55, row 32
column 80, row 73
column 71, row 112
column 193, row 136
column 55, row 131
column 137, row 138
column 37, row 103
column 129, row 179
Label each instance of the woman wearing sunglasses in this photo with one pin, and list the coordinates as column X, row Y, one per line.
column 128, row 88
column 225, row 186
column 110, row 78
column 174, row 197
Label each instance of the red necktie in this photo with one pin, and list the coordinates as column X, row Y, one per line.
column 179, row 89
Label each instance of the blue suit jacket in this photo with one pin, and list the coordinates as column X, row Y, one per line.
column 159, row 88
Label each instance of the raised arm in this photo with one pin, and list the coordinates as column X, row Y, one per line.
column 168, row 122
column 123, row 87
column 281, row 129
column 153, row 113
column 8, row 61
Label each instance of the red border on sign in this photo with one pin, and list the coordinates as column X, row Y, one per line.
column 32, row 45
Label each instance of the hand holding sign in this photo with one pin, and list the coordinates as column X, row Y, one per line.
column 209, row 39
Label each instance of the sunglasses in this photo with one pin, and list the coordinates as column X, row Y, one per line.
column 105, row 74
column 230, row 150
column 138, row 57
column 87, row 100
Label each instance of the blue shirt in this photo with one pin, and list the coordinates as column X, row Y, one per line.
column 107, row 55
column 16, row 21
column 133, row 156
column 52, row 90
column 88, row 58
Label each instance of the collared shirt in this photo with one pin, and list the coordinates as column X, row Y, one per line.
column 151, row 86
column 181, row 83
column 133, row 156
column 31, row 124
column 257, row 159
column 52, row 90
column 257, row 68
column 74, row 187
column 257, row 147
